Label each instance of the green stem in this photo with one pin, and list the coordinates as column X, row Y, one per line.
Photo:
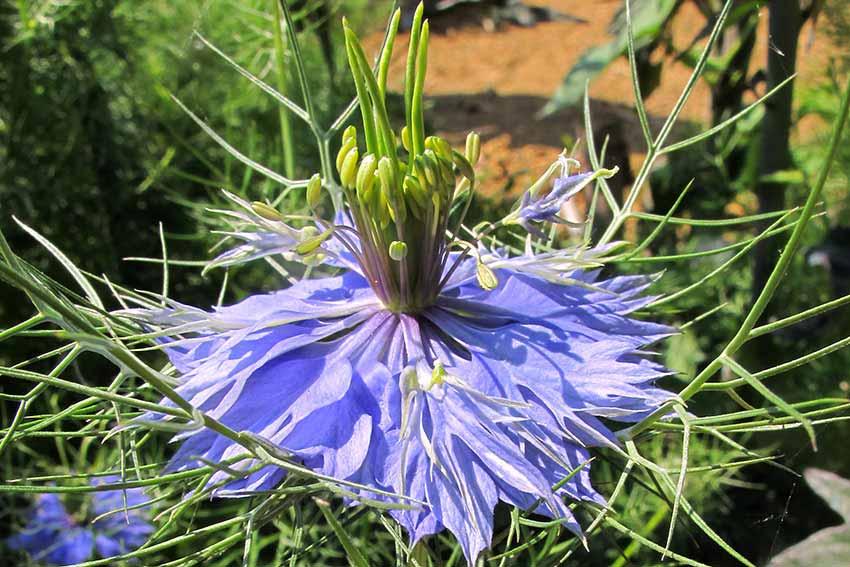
column 285, row 124
column 784, row 260
column 655, row 148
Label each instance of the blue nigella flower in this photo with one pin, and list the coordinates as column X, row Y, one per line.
column 433, row 367
column 539, row 206
column 53, row 536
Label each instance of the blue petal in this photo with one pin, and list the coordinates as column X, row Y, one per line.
column 321, row 370
column 315, row 401
column 125, row 527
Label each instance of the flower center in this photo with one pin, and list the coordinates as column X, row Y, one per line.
column 400, row 187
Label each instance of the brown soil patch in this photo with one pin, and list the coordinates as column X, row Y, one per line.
column 495, row 82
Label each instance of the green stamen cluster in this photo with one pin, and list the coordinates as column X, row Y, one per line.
column 400, row 188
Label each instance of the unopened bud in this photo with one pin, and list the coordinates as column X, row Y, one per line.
column 266, row 211
column 314, row 191
column 398, row 250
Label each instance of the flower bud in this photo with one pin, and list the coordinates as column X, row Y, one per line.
column 314, row 191
column 398, row 250
column 473, row 148
column 266, row 211
column 348, row 171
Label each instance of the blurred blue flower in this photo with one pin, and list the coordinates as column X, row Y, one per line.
column 52, row 536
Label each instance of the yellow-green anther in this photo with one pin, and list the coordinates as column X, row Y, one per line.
column 314, row 259
column 311, row 244
column 385, row 172
column 473, row 148
column 439, row 146
column 463, row 165
column 314, row 191
column 398, row 211
column 398, row 250
column 429, row 167
column 418, row 170
column 486, row 277
column 390, row 190
column 266, row 211
column 343, row 151
column 366, row 176
column 444, row 175
column 348, row 171
column 382, row 209
column 414, row 189
column 447, row 172
column 405, row 138
column 350, row 133
column 435, row 218
column 438, row 375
